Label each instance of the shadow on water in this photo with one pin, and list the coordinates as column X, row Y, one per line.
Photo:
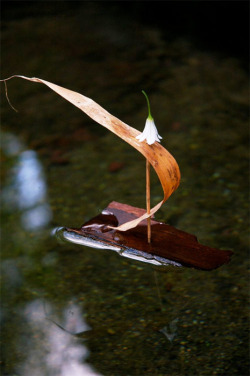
column 73, row 310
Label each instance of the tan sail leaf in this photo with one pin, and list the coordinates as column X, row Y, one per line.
column 162, row 161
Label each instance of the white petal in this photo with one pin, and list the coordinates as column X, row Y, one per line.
column 151, row 136
column 149, row 133
column 141, row 137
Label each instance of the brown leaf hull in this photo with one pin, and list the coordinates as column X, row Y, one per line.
column 167, row 241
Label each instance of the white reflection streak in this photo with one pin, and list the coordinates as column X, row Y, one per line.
column 30, row 180
column 31, row 188
column 58, row 353
column 28, row 188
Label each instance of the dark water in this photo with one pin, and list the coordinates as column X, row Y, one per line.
column 71, row 310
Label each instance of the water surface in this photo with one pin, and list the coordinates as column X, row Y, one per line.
column 74, row 310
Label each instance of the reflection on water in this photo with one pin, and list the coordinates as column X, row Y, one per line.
column 29, row 180
column 170, row 331
column 27, row 190
column 52, row 349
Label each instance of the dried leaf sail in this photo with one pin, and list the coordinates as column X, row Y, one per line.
column 162, row 161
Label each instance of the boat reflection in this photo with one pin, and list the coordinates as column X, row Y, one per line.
column 53, row 347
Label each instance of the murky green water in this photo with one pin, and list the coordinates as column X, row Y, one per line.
column 72, row 310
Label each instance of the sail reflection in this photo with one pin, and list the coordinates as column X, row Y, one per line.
column 58, row 353
column 27, row 190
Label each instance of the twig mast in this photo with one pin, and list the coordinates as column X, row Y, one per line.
column 148, row 205
column 148, row 200
column 150, row 134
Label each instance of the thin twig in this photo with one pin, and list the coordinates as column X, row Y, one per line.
column 148, row 200
column 6, row 93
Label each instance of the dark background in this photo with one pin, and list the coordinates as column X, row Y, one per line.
column 221, row 26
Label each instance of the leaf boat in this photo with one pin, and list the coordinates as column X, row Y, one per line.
column 169, row 246
column 122, row 227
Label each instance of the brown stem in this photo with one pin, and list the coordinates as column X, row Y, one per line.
column 148, row 199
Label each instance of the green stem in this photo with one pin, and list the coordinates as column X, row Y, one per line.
column 149, row 112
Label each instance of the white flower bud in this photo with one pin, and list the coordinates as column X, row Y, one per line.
column 150, row 133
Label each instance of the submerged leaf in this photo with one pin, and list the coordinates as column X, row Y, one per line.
column 162, row 161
